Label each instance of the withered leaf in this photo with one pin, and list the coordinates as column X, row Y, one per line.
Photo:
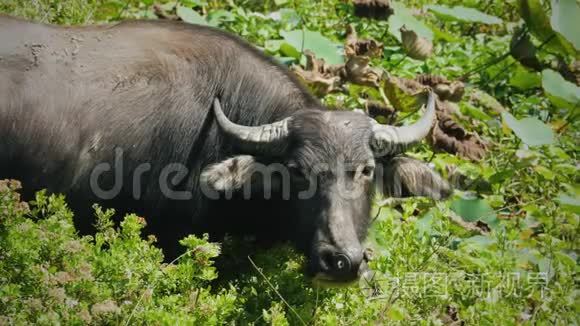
column 320, row 77
column 358, row 71
column 405, row 94
column 449, row 136
column 445, row 89
column 162, row 12
column 575, row 68
column 378, row 109
column 356, row 47
column 377, row 9
column 416, row 47
column 570, row 72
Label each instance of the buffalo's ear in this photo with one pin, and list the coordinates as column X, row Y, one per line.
column 406, row 177
column 230, row 174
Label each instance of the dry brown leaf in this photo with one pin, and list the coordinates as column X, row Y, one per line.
column 445, row 89
column 165, row 14
column 358, row 71
column 356, row 47
column 575, row 69
column 377, row 9
column 416, row 47
column 318, row 76
column 405, row 94
column 378, row 109
column 569, row 72
column 449, row 136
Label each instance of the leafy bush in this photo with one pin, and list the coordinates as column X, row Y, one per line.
column 50, row 275
column 504, row 249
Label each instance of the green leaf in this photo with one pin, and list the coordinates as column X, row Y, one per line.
column 285, row 15
column 545, row 172
column 289, row 51
column 561, row 92
column 569, row 202
column 530, row 130
column 472, row 210
column 191, row 16
column 316, row 42
column 286, row 60
column 216, row 17
column 479, row 241
column 565, row 20
column 463, row 14
column 524, row 79
column 273, row 46
column 403, row 16
column 538, row 23
column 473, row 112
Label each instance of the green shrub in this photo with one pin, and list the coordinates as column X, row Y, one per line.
column 50, row 275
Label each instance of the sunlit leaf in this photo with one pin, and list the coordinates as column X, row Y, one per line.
column 315, row 42
column 530, row 130
column 524, row 79
column 565, row 20
column 403, row 16
column 569, row 202
column 538, row 23
column 191, row 16
column 464, row 14
column 545, row 172
column 479, row 241
column 560, row 91
column 472, row 210
column 216, row 17
column 474, row 112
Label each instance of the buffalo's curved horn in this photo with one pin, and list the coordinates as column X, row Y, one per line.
column 270, row 138
column 391, row 140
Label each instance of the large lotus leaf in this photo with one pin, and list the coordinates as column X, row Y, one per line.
column 561, row 92
column 464, row 14
column 473, row 210
column 565, row 20
column 324, row 48
column 191, row 16
column 403, row 16
column 539, row 25
column 530, row 130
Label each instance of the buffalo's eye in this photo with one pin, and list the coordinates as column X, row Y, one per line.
column 367, row 171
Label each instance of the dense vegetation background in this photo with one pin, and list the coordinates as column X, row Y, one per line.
column 503, row 249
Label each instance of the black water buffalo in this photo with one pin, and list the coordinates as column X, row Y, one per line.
column 199, row 132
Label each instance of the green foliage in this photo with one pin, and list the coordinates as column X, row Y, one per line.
column 464, row 14
column 534, row 14
column 301, row 40
column 562, row 93
column 530, row 130
column 190, row 16
column 503, row 249
column 404, row 17
column 564, row 20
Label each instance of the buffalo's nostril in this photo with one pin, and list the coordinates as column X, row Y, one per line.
column 342, row 263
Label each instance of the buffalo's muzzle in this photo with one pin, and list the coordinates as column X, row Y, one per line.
column 338, row 266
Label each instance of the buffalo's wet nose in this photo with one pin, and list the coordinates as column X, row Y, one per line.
column 342, row 262
column 343, row 265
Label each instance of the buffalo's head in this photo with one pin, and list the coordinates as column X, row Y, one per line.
column 328, row 164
